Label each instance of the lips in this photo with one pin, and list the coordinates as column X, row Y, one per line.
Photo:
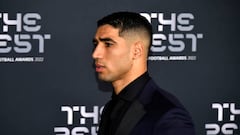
column 99, row 67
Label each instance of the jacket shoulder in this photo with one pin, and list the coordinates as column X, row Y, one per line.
column 160, row 103
column 164, row 112
column 153, row 97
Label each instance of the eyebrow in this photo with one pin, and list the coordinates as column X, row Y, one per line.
column 104, row 40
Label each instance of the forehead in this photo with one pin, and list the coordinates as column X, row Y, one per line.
column 106, row 31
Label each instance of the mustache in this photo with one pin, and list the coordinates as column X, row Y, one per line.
column 98, row 63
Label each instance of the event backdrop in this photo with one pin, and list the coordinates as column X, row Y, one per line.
column 48, row 85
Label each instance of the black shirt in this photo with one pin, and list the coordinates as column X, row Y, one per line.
column 117, row 107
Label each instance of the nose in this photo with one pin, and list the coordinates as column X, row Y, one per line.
column 97, row 52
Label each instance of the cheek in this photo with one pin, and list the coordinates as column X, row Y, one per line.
column 119, row 58
column 120, row 62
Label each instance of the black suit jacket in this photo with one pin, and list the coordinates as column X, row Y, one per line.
column 155, row 112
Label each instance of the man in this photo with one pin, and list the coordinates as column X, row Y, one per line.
column 138, row 106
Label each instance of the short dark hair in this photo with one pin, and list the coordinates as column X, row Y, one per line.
column 125, row 21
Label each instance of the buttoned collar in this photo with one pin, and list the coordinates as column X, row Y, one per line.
column 132, row 89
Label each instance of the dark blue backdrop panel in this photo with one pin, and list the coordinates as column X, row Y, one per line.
column 47, row 81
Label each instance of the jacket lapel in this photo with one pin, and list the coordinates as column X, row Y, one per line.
column 131, row 118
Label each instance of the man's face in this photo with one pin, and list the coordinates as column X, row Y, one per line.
column 112, row 54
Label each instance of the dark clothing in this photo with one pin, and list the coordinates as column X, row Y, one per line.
column 142, row 108
column 121, row 102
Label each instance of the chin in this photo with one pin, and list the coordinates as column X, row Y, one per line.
column 105, row 78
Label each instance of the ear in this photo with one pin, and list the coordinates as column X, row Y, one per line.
column 138, row 49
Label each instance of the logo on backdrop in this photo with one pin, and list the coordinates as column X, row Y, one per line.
column 20, row 38
column 227, row 119
column 80, row 120
column 174, row 38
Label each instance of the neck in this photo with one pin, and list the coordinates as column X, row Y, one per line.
column 119, row 85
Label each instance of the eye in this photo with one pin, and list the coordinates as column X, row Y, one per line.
column 108, row 44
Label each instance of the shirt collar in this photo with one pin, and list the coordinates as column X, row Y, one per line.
column 133, row 88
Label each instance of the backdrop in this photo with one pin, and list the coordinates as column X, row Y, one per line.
column 47, row 81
